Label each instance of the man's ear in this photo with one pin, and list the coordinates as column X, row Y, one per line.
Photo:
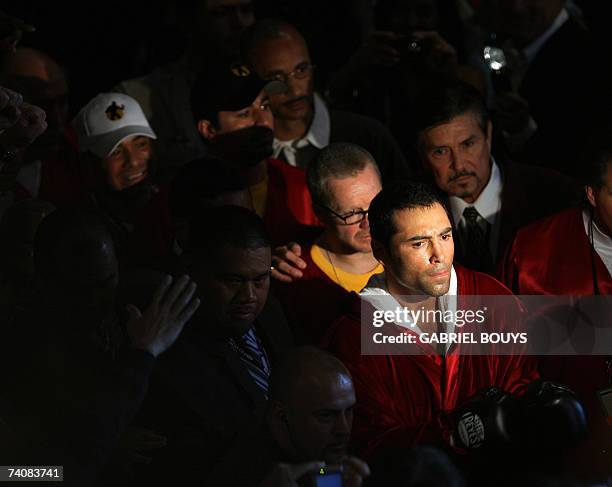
column 590, row 194
column 207, row 129
column 489, row 134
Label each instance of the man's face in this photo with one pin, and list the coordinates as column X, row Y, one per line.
column 128, row 164
column 526, row 20
column 458, row 154
column 225, row 21
column 601, row 201
column 257, row 114
column 233, row 287
column 320, row 418
column 348, row 195
column 275, row 59
column 420, row 253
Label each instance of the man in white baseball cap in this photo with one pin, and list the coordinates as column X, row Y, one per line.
column 115, row 140
column 114, row 129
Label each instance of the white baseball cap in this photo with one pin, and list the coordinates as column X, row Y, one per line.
column 108, row 120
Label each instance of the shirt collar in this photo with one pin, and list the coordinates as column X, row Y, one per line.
column 531, row 51
column 488, row 203
column 318, row 132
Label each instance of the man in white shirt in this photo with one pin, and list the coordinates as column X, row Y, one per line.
column 488, row 201
column 303, row 124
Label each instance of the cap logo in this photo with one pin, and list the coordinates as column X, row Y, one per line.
column 240, row 70
column 114, row 111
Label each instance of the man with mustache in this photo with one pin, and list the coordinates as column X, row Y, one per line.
column 303, row 123
column 232, row 110
column 488, row 199
column 416, row 395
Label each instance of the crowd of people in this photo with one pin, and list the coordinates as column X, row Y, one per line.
column 190, row 254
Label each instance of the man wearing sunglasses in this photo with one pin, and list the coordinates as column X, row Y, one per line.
column 303, row 124
column 342, row 180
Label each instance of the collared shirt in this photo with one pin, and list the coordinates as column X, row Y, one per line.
column 317, row 136
column 377, row 294
column 488, row 206
column 601, row 242
column 532, row 49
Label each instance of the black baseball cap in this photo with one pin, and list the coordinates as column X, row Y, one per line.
column 228, row 86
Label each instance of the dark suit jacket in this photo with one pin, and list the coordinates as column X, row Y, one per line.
column 202, row 396
column 567, row 88
column 529, row 193
column 374, row 137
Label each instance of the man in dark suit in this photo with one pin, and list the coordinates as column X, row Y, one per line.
column 215, row 382
column 488, row 200
column 303, row 124
column 559, row 77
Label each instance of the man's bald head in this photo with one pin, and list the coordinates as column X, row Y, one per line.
column 266, row 31
column 311, row 406
column 307, row 367
column 276, row 50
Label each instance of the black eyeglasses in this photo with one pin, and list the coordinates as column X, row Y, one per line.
column 351, row 218
column 303, row 71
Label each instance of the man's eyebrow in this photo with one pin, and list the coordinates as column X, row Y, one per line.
column 426, row 237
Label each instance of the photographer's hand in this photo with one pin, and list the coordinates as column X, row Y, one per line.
column 439, row 55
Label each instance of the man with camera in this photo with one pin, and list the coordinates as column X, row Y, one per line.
column 305, row 432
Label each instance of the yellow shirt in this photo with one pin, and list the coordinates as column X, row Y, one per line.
column 347, row 280
column 259, row 196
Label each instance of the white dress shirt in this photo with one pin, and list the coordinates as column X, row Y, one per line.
column 317, row 135
column 601, row 242
column 377, row 294
column 488, row 205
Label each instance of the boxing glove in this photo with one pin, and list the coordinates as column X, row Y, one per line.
column 485, row 421
column 549, row 414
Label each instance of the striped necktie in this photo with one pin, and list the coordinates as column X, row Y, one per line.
column 250, row 350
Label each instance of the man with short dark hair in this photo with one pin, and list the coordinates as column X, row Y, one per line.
column 232, row 111
column 343, row 179
column 308, row 419
column 488, row 200
column 215, row 383
column 211, row 29
column 423, row 395
column 303, row 123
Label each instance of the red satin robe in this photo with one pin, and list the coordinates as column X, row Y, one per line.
column 289, row 215
column 404, row 400
column 313, row 302
column 553, row 257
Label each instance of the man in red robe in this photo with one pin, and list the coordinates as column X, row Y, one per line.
column 410, row 399
column 570, row 253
